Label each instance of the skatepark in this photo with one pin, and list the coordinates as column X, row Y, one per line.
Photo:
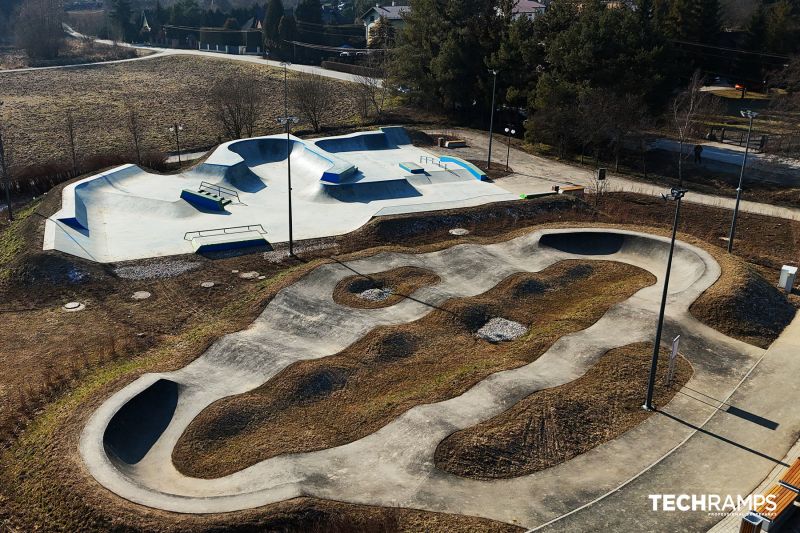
column 238, row 196
column 128, row 443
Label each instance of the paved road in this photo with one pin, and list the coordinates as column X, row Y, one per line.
column 537, row 174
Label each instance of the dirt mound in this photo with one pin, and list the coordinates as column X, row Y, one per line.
column 745, row 306
column 319, row 384
column 50, row 268
column 393, row 345
column 396, row 284
column 554, row 425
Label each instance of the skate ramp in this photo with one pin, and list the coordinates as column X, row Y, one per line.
column 134, row 429
column 387, row 139
column 651, row 254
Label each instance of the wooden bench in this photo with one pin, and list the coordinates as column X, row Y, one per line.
column 784, row 495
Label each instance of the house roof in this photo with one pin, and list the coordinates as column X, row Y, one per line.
column 390, row 12
column 527, row 6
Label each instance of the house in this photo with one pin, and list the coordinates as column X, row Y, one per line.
column 528, row 9
column 393, row 13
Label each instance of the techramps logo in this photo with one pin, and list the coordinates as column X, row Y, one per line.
column 713, row 504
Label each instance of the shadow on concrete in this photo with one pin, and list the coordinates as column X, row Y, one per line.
column 722, row 439
column 134, row 429
column 584, row 243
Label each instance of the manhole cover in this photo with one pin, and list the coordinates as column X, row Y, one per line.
column 459, row 231
column 141, row 295
column 74, row 306
column 249, row 275
column 207, row 284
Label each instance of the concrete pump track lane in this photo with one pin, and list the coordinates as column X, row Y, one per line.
column 128, row 442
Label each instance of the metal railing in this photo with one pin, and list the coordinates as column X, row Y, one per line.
column 424, row 159
column 189, row 235
column 219, row 190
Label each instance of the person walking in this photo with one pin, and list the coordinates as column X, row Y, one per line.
column 698, row 154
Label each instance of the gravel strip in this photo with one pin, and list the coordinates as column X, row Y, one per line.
column 500, row 330
column 156, row 269
column 376, row 295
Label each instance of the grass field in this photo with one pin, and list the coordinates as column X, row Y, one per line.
column 36, row 103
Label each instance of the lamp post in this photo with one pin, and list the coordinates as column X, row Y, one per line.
column 287, row 121
column 509, row 133
column 177, row 129
column 677, row 195
column 491, row 118
column 746, row 113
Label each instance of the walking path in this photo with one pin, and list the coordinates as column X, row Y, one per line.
column 395, row 466
column 165, row 52
column 538, row 174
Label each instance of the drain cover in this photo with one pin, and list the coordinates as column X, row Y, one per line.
column 74, row 306
column 207, row 284
column 141, row 295
column 459, row 231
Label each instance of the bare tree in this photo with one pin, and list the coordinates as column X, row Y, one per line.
column 5, row 160
column 69, row 128
column 134, row 124
column 687, row 110
column 373, row 85
column 314, row 98
column 38, row 28
column 238, row 102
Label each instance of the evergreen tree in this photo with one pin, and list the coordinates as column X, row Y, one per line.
column 120, row 15
column 272, row 22
column 309, row 11
column 287, row 31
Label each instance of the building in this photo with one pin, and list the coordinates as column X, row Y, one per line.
column 393, row 13
column 528, row 9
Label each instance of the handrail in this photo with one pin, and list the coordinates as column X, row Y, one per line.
column 220, row 190
column 224, row 231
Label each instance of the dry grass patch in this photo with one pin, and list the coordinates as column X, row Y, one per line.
column 554, row 425
column 164, row 90
column 398, row 283
column 318, row 404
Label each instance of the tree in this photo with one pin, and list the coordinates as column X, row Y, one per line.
column 381, row 34
column 782, row 27
column 5, row 160
column 373, row 87
column 272, row 23
column 69, row 129
column 287, row 30
column 120, row 15
column 314, row 98
column 686, row 110
column 134, row 125
column 38, row 28
column 237, row 101
column 309, row 11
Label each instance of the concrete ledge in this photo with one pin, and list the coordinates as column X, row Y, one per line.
column 472, row 169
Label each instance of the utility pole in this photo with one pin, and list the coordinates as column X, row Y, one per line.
column 491, row 119
column 677, row 195
column 751, row 115
column 287, row 121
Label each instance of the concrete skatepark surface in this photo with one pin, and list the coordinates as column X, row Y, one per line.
column 128, row 442
column 338, row 184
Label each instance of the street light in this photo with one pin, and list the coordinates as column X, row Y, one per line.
column 509, row 133
column 746, row 113
column 176, row 129
column 491, row 119
column 287, row 121
column 677, row 195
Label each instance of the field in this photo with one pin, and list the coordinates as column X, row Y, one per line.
column 36, row 104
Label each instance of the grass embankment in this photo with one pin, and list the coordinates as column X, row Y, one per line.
column 554, row 425
column 327, row 402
